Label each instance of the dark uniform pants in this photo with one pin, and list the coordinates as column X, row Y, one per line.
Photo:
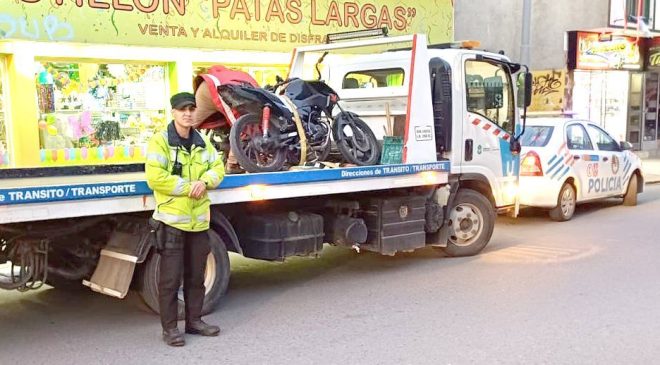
column 183, row 253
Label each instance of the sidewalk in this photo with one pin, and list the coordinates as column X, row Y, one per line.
column 651, row 170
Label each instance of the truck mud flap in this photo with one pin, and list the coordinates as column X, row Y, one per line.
column 127, row 246
column 113, row 274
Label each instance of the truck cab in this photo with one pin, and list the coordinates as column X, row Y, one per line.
column 465, row 106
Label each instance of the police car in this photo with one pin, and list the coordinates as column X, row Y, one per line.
column 566, row 161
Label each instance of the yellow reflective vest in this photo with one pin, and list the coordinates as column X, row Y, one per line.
column 173, row 205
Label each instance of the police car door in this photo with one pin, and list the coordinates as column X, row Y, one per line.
column 489, row 126
column 610, row 181
column 581, row 159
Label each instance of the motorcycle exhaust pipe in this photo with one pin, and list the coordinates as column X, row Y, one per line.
column 265, row 120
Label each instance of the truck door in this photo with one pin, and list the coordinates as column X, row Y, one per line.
column 488, row 127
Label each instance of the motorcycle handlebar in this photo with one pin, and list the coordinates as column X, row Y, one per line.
column 279, row 82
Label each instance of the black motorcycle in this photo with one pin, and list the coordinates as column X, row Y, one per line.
column 266, row 137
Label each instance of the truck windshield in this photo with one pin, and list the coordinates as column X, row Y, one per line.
column 489, row 92
column 536, row 136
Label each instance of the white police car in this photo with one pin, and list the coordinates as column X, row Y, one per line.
column 568, row 161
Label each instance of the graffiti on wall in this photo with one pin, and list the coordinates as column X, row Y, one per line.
column 548, row 88
column 50, row 28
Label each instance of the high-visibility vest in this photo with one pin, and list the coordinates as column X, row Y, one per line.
column 173, row 205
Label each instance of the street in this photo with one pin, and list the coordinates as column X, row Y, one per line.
column 583, row 291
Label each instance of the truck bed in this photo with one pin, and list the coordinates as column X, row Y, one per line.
column 34, row 199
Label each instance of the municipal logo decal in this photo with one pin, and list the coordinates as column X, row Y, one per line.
column 615, row 165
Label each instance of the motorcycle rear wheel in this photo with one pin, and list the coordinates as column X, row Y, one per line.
column 355, row 140
column 245, row 134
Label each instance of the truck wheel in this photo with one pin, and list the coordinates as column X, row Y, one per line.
column 630, row 199
column 471, row 224
column 566, row 202
column 216, row 278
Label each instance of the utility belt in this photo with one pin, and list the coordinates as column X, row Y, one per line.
column 165, row 237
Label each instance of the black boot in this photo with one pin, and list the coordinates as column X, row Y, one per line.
column 200, row 328
column 173, row 337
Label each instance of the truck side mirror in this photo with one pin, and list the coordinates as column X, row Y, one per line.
column 515, row 146
column 529, row 80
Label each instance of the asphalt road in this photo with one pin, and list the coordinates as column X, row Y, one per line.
column 580, row 292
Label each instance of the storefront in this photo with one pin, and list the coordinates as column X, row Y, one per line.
column 4, row 116
column 89, row 84
column 615, row 85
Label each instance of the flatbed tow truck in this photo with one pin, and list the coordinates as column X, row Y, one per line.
column 454, row 109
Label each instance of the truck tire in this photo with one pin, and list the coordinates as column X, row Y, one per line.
column 630, row 199
column 566, row 202
column 471, row 224
column 216, row 278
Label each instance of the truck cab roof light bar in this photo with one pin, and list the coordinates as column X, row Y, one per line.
column 356, row 34
column 449, row 45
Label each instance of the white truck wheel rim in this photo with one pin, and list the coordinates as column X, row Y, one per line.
column 466, row 223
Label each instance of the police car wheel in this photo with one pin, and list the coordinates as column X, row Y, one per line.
column 216, row 278
column 471, row 223
column 566, row 202
column 630, row 199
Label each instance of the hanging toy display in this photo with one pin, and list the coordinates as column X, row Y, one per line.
column 46, row 92
column 107, row 131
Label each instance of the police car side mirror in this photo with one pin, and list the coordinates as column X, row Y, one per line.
column 625, row 146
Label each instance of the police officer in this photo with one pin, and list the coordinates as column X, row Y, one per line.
column 181, row 165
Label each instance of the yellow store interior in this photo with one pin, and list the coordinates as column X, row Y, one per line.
column 69, row 104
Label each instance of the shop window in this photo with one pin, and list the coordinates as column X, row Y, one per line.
column 626, row 11
column 4, row 138
column 390, row 77
column 643, row 8
column 489, row 92
column 92, row 113
column 577, row 138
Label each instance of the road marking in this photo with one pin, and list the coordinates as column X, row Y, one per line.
column 535, row 254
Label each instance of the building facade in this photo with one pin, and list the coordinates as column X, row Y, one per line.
column 596, row 60
column 498, row 26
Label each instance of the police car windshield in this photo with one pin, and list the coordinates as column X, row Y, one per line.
column 536, row 136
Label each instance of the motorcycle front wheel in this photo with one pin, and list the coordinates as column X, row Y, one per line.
column 252, row 151
column 355, row 140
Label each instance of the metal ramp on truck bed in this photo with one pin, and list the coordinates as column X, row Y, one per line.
column 34, row 199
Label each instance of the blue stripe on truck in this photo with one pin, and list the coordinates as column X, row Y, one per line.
column 42, row 194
